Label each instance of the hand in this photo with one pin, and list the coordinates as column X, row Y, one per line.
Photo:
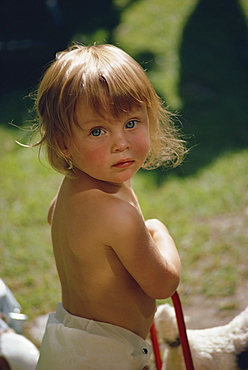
column 167, row 248
column 154, row 225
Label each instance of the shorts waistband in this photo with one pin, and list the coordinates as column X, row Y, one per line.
column 94, row 327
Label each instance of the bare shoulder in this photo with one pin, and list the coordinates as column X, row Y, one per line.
column 98, row 205
column 103, row 220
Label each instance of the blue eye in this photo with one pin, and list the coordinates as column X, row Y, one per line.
column 97, row 132
column 131, row 124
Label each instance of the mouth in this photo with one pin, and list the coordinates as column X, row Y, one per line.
column 125, row 163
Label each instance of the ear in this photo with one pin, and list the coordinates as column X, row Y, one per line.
column 66, row 152
column 64, row 147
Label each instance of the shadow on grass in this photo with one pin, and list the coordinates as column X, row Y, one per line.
column 213, row 81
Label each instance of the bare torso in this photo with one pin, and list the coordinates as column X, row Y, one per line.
column 95, row 283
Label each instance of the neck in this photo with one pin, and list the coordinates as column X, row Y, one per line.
column 87, row 181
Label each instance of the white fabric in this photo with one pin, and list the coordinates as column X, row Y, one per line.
column 18, row 351
column 75, row 343
column 8, row 303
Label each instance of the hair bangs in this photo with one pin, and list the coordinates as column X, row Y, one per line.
column 115, row 88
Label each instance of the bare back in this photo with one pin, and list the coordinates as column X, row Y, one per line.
column 89, row 228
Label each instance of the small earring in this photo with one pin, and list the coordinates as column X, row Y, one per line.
column 70, row 164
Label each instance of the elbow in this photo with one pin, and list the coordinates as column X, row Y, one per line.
column 172, row 287
column 174, row 279
column 168, row 285
column 169, row 289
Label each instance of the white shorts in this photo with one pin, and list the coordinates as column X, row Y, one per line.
column 74, row 343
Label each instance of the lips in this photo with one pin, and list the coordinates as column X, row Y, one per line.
column 125, row 163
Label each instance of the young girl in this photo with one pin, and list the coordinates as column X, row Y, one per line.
column 101, row 121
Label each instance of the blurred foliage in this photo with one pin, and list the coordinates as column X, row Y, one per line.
column 31, row 32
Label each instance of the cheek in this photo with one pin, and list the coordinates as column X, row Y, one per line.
column 96, row 155
column 143, row 144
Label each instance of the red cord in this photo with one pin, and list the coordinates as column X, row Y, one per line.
column 156, row 348
column 183, row 337
column 182, row 332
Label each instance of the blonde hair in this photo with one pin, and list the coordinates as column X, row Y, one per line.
column 111, row 81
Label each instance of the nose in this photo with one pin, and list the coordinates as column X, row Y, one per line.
column 120, row 142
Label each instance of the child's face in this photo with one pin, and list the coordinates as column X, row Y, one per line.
column 109, row 149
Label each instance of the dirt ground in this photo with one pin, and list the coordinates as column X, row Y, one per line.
column 204, row 312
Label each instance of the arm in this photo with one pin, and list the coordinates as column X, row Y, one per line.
column 164, row 242
column 147, row 251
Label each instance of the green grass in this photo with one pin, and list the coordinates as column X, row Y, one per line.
column 205, row 213
column 207, row 216
column 25, row 250
column 157, row 26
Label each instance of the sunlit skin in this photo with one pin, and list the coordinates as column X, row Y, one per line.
column 112, row 264
column 110, row 149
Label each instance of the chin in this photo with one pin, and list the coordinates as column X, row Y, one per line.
column 124, row 177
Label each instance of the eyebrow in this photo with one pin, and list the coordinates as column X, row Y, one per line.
column 82, row 124
column 90, row 122
column 100, row 120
